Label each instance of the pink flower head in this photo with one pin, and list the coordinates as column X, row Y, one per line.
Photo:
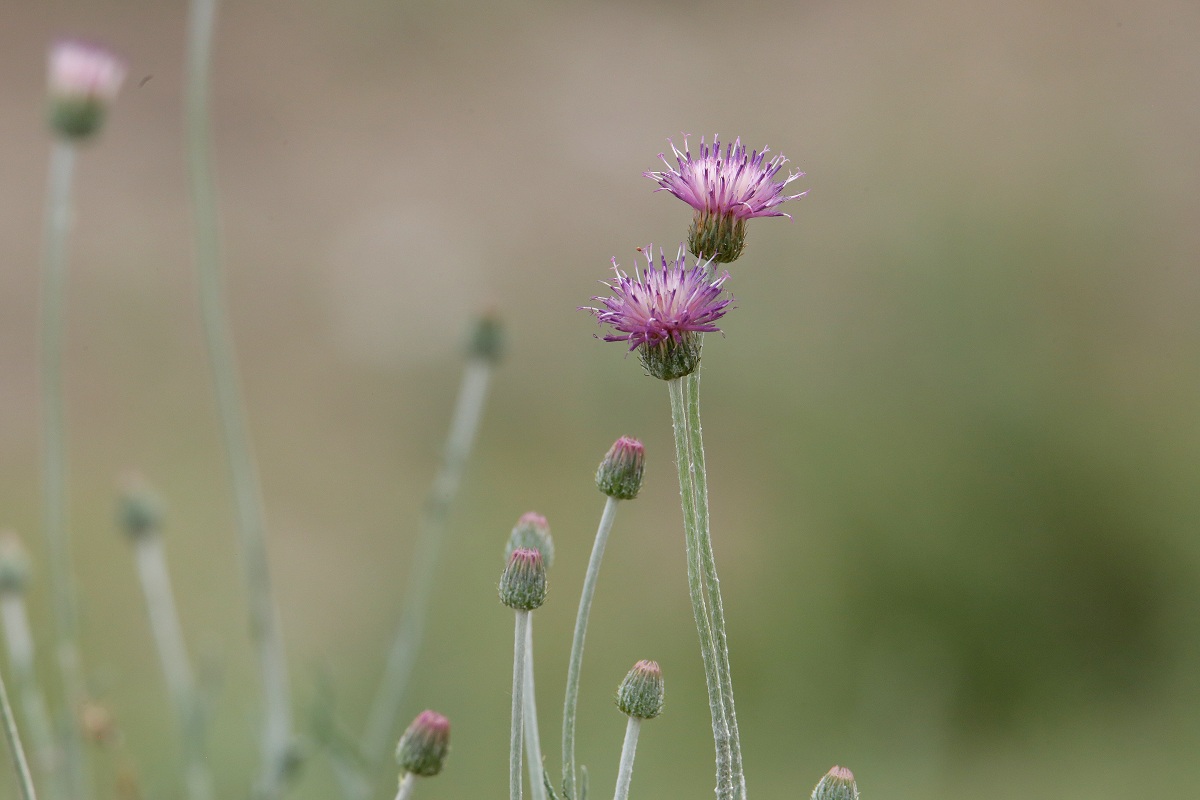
column 732, row 184
column 663, row 304
column 82, row 71
column 83, row 81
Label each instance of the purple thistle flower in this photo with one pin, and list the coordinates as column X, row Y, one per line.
column 662, row 310
column 725, row 190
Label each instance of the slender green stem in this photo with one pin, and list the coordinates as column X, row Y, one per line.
column 628, row 750
column 712, row 583
column 576, row 663
column 19, row 643
column 533, row 740
column 172, row 655
column 24, row 779
column 516, row 738
column 463, row 426
column 264, row 617
column 686, row 463
column 54, row 462
column 406, row 786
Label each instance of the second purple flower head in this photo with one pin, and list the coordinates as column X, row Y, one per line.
column 663, row 310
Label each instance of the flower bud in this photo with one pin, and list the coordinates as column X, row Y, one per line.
column 531, row 533
column 838, row 784
column 423, row 747
column 139, row 510
column 487, row 338
column 14, row 564
column 641, row 693
column 523, row 584
column 620, row 473
column 83, row 82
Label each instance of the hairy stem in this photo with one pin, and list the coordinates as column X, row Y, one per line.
column 712, row 583
column 172, row 655
column 686, row 463
column 520, row 635
column 24, row 779
column 463, row 426
column 576, row 663
column 628, row 749
column 533, row 740
column 264, row 617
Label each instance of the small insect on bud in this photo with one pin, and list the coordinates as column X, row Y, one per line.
column 487, row 338
column 423, row 747
column 523, row 584
column 14, row 564
column 139, row 509
column 532, row 532
column 620, row 473
column 641, row 693
column 83, row 82
column 838, row 784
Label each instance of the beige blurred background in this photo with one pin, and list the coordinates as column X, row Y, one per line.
column 953, row 427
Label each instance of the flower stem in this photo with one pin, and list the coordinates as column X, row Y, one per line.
column 628, row 749
column 19, row 642
column 713, row 584
column 264, row 617
column 406, row 786
column 520, row 635
column 685, row 460
column 576, row 662
column 463, row 425
column 172, row 654
column 54, row 460
column 533, row 740
column 24, row 779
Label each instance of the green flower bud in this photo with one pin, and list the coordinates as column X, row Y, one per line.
column 641, row 693
column 423, row 747
column 523, row 584
column 620, row 473
column 14, row 564
column 139, row 510
column 487, row 338
column 532, row 532
column 838, row 784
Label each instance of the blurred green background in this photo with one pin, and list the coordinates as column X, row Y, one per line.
column 953, row 427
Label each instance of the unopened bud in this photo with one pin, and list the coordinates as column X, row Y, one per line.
column 83, row 82
column 14, row 564
column 532, row 532
column 620, row 473
column 641, row 693
column 838, row 784
column 487, row 338
column 523, row 584
column 139, row 510
column 423, row 747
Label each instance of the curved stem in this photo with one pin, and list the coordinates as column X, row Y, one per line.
column 713, row 584
column 19, row 641
column 533, row 740
column 576, row 663
column 24, row 779
column 463, row 426
column 520, row 634
column 696, row 589
column 628, row 749
column 151, row 562
column 264, row 617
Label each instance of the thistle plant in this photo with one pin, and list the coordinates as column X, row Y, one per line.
column 837, row 784
column 523, row 589
column 421, row 751
column 140, row 515
column 83, row 82
column 619, row 477
column 640, row 697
